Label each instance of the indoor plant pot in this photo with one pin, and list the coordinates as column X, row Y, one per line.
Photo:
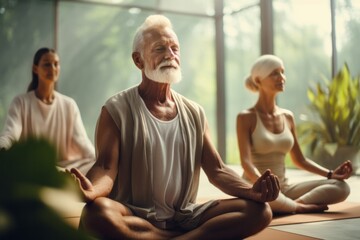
column 332, row 129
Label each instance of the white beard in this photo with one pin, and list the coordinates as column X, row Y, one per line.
column 168, row 75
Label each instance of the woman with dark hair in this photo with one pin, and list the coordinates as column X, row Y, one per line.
column 35, row 78
column 44, row 112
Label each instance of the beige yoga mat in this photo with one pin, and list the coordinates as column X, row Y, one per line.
column 337, row 211
column 273, row 234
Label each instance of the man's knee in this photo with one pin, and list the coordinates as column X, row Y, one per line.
column 263, row 214
column 259, row 216
column 267, row 214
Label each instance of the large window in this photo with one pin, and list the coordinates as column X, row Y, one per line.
column 94, row 41
column 24, row 27
column 242, row 34
column 347, row 16
column 302, row 38
column 95, row 44
column 303, row 41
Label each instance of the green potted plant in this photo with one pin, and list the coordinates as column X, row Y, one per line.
column 332, row 130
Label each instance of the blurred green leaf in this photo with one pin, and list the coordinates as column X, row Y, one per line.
column 25, row 170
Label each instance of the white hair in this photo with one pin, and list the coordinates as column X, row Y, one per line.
column 152, row 21
column 262, row 68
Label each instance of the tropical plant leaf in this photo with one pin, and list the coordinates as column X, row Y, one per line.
column 335, row 103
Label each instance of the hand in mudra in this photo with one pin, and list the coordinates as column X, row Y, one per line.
column 266, row 188
column 343, row 171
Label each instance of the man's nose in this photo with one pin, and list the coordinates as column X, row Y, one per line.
column 170, row 54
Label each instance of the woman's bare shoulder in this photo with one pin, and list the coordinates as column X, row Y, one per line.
column 248, row 111
column 289, row 115
column 247, row 114
column 286, row 112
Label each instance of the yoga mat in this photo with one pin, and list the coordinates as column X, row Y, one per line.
column 340, row 229
column 272, row 234
column 337, row 211
column 344, row 210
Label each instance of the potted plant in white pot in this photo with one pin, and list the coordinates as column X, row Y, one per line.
column 332, row 131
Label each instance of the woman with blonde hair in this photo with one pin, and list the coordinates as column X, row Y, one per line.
column 266, row 133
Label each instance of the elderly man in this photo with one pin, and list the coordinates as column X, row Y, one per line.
column 151, row 144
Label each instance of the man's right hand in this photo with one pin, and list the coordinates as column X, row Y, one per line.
column 85, row 186
column 266, row 188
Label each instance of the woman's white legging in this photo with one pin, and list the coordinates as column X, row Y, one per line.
column 327, row 191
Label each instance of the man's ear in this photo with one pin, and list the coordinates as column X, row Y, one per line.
column 257, row 81
column 136, row 56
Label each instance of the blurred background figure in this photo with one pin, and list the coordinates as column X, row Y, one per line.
column 45, row 113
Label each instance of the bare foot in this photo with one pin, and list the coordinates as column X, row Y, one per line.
column 310, row 208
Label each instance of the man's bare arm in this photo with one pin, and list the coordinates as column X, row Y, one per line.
column 265, row 189
column 100, row 178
